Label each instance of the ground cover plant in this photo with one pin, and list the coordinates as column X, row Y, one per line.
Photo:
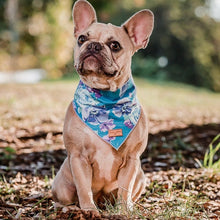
column 181, row 162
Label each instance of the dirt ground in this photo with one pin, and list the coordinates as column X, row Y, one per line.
column 31, row 152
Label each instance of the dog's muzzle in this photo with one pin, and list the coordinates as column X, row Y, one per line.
column 94, row 60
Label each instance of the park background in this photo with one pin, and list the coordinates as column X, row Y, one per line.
column 184, row 46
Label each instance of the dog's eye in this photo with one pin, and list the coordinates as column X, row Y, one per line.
column 81, row 39
column 115, row 46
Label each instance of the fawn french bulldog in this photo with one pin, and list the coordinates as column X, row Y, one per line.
column 105, row 129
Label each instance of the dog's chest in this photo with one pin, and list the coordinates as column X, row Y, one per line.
column 105, row 164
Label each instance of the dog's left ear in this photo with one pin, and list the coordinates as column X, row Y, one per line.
column 139, row 28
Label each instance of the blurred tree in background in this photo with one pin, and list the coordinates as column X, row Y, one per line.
column 37, row 34
column 185, row 44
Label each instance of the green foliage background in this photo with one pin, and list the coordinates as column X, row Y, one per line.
column 41, row 35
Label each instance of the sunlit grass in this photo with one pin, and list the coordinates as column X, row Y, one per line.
column 208, row 161
column 166, row 204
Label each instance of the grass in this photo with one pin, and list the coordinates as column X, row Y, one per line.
column 208, row 161
column 8, row 153
column 181, row 209
column 119, row 208
column 5, row 188
column 171, row 204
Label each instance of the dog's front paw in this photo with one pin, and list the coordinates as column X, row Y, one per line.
column 66, row 208
column 90, row 207
column 92, row 210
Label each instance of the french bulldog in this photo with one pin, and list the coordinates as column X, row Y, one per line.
column 105, row 129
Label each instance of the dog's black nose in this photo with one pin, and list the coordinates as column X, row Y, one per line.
column 94, row 47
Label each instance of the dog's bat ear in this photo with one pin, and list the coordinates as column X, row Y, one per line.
column 139, row 28
column 83, row 16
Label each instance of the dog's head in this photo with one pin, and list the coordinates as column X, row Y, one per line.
column 103, row 52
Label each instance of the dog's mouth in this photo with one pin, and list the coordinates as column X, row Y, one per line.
column 93, row 63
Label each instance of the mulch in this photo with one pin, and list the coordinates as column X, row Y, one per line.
column 31, row 157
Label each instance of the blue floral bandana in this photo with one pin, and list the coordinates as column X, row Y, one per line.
column 111, row 115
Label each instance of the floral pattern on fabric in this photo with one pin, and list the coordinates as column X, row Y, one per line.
column 105, row 110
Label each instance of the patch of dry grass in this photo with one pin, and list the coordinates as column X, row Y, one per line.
column 182, row 194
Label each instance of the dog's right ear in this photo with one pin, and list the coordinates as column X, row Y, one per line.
column 83, row 16
column 139, row 28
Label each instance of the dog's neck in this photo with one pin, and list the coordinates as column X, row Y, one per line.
column 110, row 96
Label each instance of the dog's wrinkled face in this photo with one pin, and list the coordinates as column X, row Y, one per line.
column 103, row 52
column 100, row 56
